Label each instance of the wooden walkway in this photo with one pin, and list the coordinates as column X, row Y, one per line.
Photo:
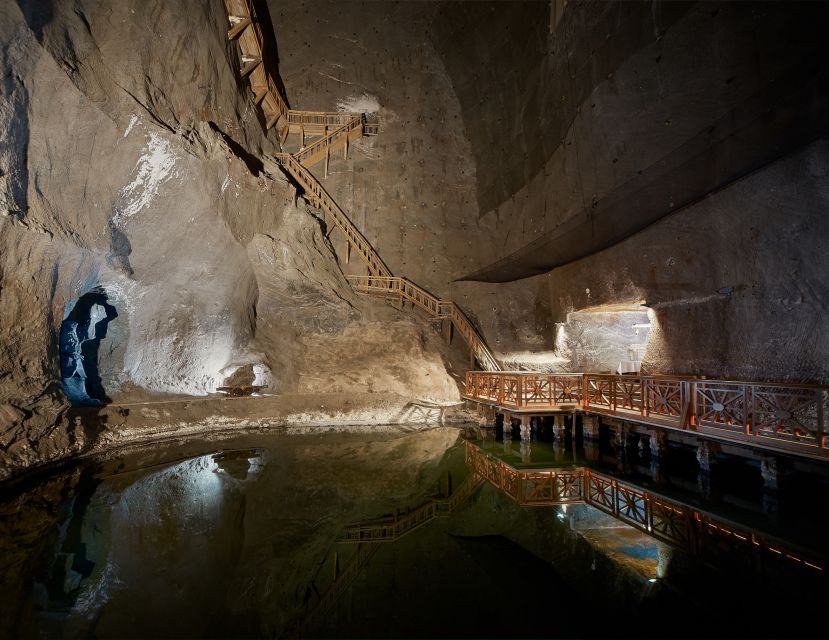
column 335, row 132
column 779, row 417
column 667, row 520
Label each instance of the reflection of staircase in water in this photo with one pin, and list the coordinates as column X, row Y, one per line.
column 335, row 131
column 369, row 536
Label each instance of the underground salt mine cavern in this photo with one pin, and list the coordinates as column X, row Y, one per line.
column 434, row 319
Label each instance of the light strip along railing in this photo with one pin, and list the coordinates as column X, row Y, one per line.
column 320, row 198
column 776, row 416
column 664, row 519
column 403, row 288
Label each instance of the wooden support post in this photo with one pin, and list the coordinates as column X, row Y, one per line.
column 558, row 427
column 345, row 148
column 302, row 136
column 347, row 251
column 327, row 155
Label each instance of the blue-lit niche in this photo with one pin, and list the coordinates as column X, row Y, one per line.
column 81, row 332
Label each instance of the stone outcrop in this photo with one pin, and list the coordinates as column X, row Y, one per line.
column 132, row 168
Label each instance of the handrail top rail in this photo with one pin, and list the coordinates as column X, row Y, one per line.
column 344, row 115
column 669, row 377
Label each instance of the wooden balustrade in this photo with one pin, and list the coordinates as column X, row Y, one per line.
column 392, row 528
column 404, row 289
column 320, row 198
column 324, row 118
column 338, row 137
column 665, row 519
column 786, row 417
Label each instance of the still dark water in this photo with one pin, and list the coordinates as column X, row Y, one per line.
column 252, row 540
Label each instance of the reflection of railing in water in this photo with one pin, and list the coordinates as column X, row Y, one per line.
column 390, row 529
column 369, row 536
column 666, row 520
column 776, row 416
column 337, row 130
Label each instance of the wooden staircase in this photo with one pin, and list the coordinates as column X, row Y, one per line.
column 336, row 131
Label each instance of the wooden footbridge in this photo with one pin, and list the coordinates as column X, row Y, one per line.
column 335, row 132
column 779, row 417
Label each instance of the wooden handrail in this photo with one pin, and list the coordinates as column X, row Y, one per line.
column 776, row 416
column 320, row 198
column 319, row 145
column 392, row 528
column 327, row 118
column 391, row 286
column 245, row 29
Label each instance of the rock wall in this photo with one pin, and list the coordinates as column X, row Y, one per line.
column 589, row 123
column 411, row 190
column 131, row 159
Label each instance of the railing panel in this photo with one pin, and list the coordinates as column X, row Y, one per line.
column 632, row 506
column 539, row 488
column 665, row 398
column 599, row 391
column 628, row 394
column 721, row 405
column 670, row 523
column 510, row 395
column 601, row 493
column 569, row 486
column 788, row 413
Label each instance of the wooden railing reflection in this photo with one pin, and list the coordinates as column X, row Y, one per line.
column 777, row 416
column 392, row 528
column 667, row 520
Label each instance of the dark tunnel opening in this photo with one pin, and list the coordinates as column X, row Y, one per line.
column 81, row 333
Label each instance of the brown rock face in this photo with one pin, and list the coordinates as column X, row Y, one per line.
column 142, row 238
